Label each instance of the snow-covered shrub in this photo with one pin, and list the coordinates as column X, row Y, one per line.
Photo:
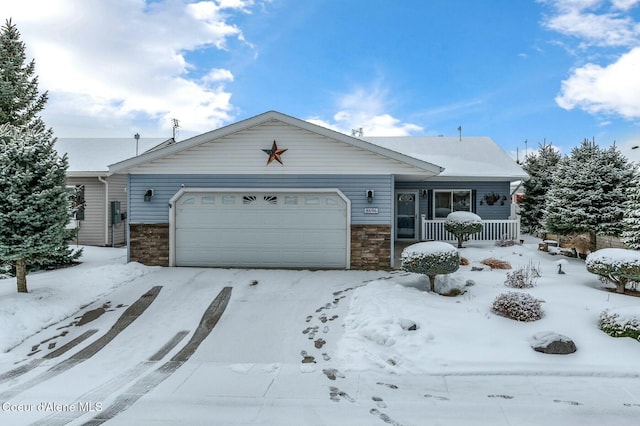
column 431, row 258
column 462, row 225
column 618, row 266
column 494, row 263
column 619, row 324
column 518, row 306
column 523, row 277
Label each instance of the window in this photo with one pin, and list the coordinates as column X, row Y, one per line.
column 249, row 199
column 291, row 199
column 445, row 202
column 270, row 199
column 76, row 201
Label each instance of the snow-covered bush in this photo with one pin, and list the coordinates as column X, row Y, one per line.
column 462, row 225
column 621, row 324
column 518, row 306
column 431, row 258
column 523, row 277
column 618, row 266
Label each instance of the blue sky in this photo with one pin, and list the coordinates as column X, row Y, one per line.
column 526, row 70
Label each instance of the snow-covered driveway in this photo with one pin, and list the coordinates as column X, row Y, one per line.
column 277, row 354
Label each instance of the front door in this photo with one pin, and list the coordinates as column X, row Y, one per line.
column 407, row 216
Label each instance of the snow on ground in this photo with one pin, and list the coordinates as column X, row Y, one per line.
column 461, row 334
column 57, row 295
column 462, row 364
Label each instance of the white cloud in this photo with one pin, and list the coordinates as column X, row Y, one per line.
column 107, row 63
column 601, row 28
column 614, row 89
column 365, row 109
column 594, row 22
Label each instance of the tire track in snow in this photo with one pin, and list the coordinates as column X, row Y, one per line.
column 17, row 372
column 147, row 383
column 127, row 317
column 103, row 391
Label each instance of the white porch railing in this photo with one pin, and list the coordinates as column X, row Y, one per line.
column 433, row 230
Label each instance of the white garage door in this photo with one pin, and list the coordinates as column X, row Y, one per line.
column 260, row 229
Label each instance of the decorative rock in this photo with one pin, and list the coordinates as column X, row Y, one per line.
column 469, row 283
column 549, row 342
column 477, row 268
column 408, row 325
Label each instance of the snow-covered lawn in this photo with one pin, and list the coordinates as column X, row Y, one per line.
column 462, row 364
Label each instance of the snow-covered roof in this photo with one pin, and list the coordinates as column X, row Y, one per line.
column 469, row 157
column 92, row 156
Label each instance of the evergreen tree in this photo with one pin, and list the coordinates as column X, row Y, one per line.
column 34, row 204
column 540, row 167
column 20, row 103
column 33, row 199
column 589, row 192
column 631, row 221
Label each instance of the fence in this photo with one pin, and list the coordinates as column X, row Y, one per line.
column 433, row 230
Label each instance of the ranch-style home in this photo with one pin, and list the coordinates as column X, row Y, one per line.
column 274, row 191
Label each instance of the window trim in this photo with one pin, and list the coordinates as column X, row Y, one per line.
column 451, row 191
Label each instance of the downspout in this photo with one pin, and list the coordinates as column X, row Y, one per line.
column 106, row 211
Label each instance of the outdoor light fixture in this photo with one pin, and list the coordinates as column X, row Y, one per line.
column 147, row 195
column 370, row 195
column 424, row 193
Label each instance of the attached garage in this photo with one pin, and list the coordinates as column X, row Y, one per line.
column 298, row 228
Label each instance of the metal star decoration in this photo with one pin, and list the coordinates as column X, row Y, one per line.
column 274, row 153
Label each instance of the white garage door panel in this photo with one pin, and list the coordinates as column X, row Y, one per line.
column 261, row 230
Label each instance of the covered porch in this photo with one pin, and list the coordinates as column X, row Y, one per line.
column 433, row 230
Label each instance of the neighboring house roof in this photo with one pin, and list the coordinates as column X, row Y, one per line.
column 418, row 166
column 469, row 157
column 92, row 156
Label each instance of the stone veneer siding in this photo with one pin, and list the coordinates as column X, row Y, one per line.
column 371, row 247
column 149, row 244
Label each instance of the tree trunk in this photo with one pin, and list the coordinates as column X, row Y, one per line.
column 21, row 275
column 620, row 285
column 460, row 240
column 432, row 282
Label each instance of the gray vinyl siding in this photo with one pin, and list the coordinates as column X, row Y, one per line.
column 487, row 212
column 91, row 229
column 353, row 186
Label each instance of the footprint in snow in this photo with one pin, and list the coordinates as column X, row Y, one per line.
column 389, row 385
column 384, row 417
column 335, row 394
column 559, row 401
column 500, row 396
column 307, row 359
column 439, row 398
column 319, row 343
column 628, row 404
column 332, row 373
column 379, row 402
column 326, row 356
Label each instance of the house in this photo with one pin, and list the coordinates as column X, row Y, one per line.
column 277, row 191
column 101, row 198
